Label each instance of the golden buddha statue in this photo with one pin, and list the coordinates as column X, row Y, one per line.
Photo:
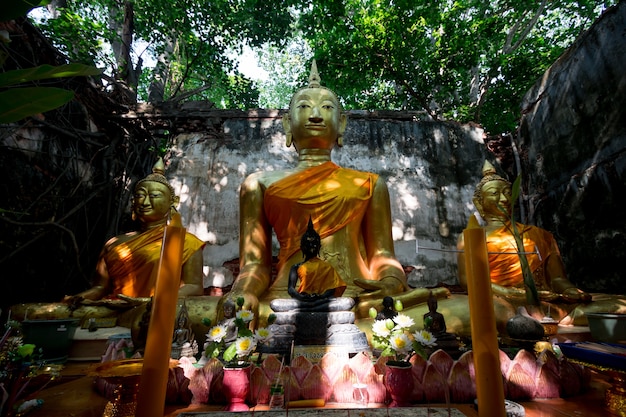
column 557, row 295
column 349, row 209
column 128, row 262
column 492, row 199
column 126, row 270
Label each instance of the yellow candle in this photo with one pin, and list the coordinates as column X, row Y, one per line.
column 489, row 386
column 154, row 374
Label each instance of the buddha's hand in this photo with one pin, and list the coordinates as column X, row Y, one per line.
column 377, row 289
column 133, row 301
column 73, row 301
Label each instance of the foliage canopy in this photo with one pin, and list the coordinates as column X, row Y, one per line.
column 465, row 60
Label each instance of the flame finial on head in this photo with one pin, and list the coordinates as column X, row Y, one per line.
column 489, row 174
column 314, row 76
column 158, row 175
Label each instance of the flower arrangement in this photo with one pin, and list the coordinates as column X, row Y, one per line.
column 393, row 338
column 237, row 352
column 19, row 364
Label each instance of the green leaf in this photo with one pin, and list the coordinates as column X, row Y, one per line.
column 245, row 332
column 26, row 350
column 230, row 352
column 18, row 103
column 46, row 71
column 212, row 350
column 18, row 8
column 515, row 189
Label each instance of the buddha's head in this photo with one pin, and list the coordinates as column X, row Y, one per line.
column 492, row 195
column 310, row 243
column 154, row 197
column 432, row 302
column 315, row 119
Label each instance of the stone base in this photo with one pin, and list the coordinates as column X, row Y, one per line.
column 91, row 346
column 369, row 412
column 315, row 353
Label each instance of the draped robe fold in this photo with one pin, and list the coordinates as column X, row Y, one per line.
column 132, row 265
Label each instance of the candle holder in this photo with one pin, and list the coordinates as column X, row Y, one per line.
column 360, row 395
column 124, row 375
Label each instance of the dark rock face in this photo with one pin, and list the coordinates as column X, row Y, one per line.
column 573, row 146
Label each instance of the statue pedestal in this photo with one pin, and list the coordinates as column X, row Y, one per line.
column 91, row 346
column 316, row 330
column 315, row 353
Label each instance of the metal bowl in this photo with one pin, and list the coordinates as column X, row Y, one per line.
column 607, row 327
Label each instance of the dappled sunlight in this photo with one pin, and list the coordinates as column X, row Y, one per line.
column 182, row 191
column 242, row 169
column 331, row 186
column 407, row 200
column 402, row 231
column 222, row 183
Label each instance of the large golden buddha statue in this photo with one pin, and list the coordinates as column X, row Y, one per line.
column 349, row 209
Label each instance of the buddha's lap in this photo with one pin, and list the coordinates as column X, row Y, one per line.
column 454, row 308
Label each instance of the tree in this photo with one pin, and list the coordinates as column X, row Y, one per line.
column 190, row 45
column 465, row 60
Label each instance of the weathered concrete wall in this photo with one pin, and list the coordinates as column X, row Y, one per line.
column 573, row 142
column 430, row 168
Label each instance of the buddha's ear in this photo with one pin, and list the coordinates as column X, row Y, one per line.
column 343, row 121
column 479, row 206
column 287, row 128
column 175, row 201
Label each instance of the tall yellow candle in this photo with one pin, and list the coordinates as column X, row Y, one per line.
column 489, row 386
column 154, row 374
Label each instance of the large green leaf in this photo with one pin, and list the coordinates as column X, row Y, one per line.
column 18, row 103
column 13, row 9
column 46, row 71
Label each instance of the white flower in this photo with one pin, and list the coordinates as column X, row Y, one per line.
column 262, row 334
column 400, row 342
column 216, row 333
column 245, row 346
column 245, row 315
column 403, row 321
column 425, row 338
column 380, row 328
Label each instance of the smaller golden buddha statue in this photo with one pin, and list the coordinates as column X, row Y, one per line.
column 492, row 199
column 126, row 270
column 128, row 262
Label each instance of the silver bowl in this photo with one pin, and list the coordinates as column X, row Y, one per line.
column 607, row 327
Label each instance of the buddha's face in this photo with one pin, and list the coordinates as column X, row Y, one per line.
column 496, row 196
column 152, row 202
column 315, row 119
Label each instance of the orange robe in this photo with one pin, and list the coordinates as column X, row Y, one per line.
column 333, row 196
column 505, row 268
column 132, row 265
column 317, row 277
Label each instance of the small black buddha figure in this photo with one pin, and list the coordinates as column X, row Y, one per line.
column 388, row 311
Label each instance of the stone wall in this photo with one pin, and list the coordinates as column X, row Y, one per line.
column 430, row 168
column 573, row 147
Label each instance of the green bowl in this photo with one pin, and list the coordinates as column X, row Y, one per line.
column 54, row 337
column 607, row 327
